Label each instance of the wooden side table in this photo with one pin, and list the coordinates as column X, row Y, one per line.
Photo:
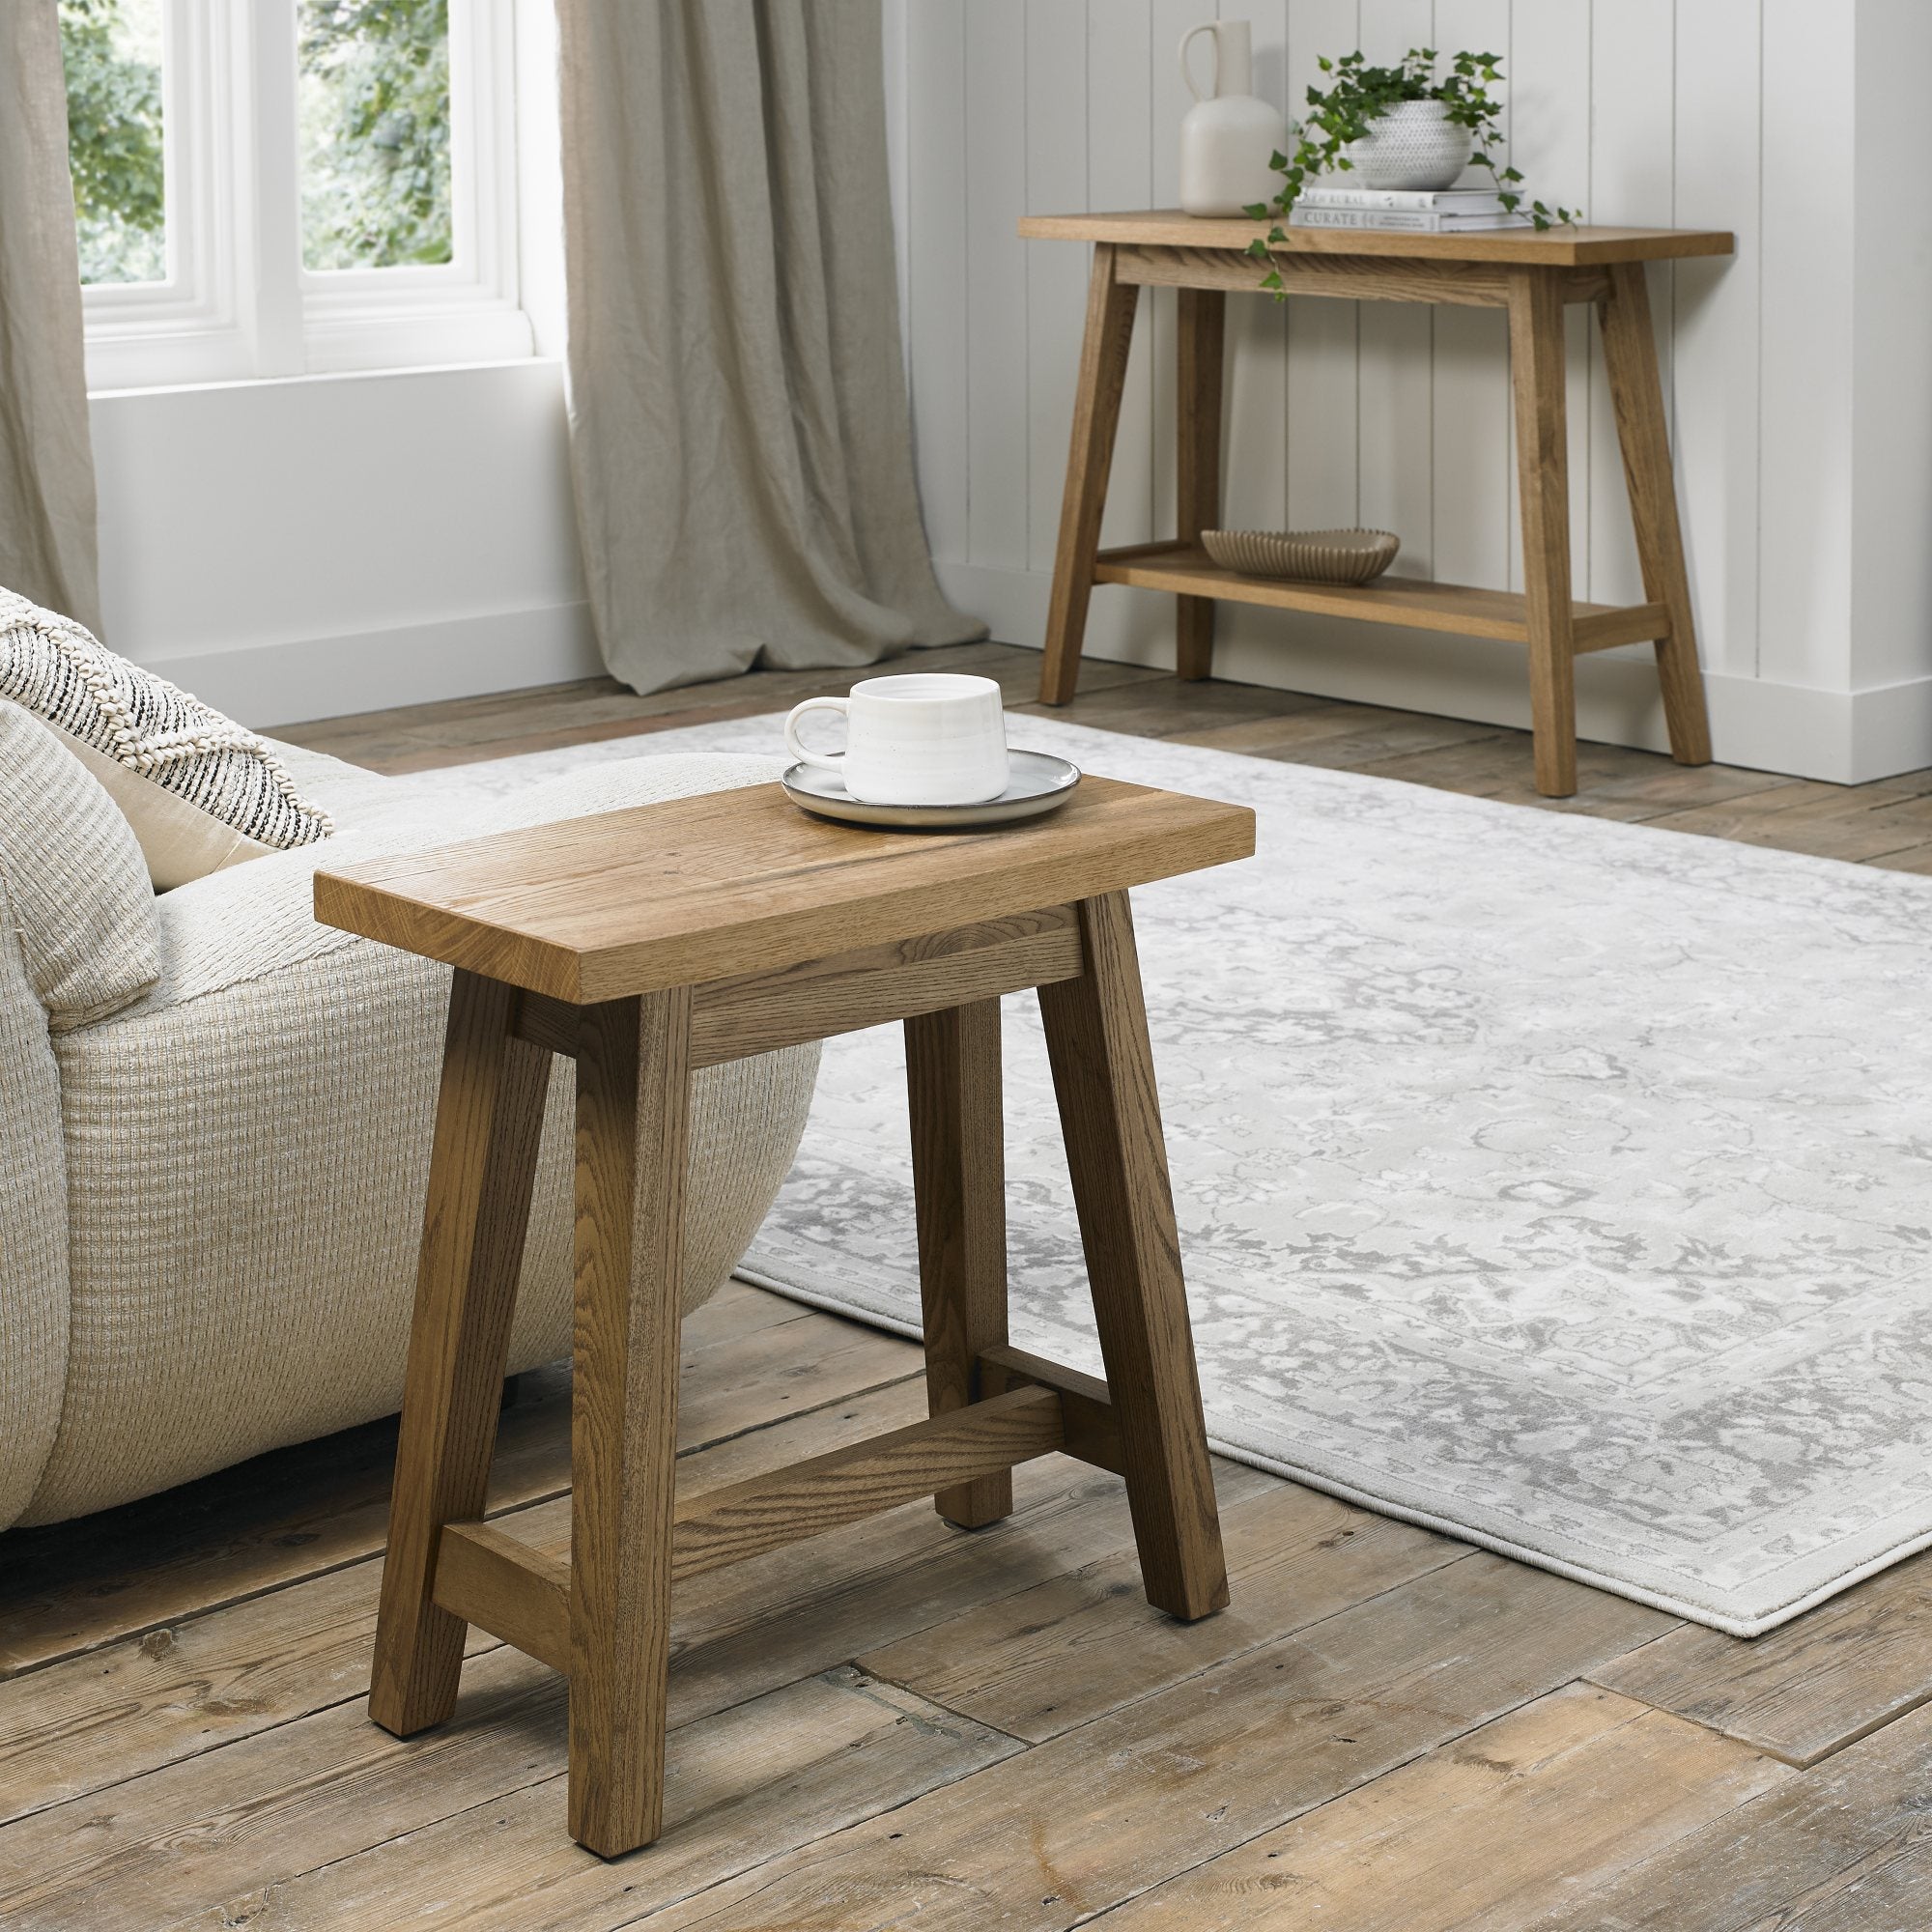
column 649, row 943
column 1533, row 277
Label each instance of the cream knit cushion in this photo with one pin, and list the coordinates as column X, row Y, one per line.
column 200, row 791
column 33, row 1227
column 247, row 1152
column 79, row 939
column 81, row 914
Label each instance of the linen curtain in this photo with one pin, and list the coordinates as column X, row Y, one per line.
column 46, row 463
column 740, row 437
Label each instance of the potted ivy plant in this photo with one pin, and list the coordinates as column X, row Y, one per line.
column 1400, row 127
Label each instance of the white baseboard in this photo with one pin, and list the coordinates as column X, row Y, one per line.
column 266, row 685
column 1844, row 737
column 1840, row 736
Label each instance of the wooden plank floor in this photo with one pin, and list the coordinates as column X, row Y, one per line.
column 900, row 1725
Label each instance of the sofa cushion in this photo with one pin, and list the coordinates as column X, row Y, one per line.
column 201, row 792
column 81, row 911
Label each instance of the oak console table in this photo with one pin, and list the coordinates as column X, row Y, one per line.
column 1531, row 276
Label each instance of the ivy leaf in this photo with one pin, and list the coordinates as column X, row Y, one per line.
column 1255, row 211
column 1278, row 161
column 1258, row 249
column 1271, row 280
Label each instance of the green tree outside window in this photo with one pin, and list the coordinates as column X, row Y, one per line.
column 375, row 132
column 112, row 49
column 373, row 105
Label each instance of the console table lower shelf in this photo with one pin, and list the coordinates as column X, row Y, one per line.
column 1188, row 571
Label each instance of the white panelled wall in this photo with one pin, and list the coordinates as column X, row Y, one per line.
column 1796, row 373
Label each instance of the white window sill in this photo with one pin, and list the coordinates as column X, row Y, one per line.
column 313, row 377
column 432, row 338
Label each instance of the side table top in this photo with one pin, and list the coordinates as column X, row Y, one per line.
column 726, row 883
column 1522, row 247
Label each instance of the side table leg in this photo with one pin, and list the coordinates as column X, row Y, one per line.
column 1542, row 467
column 1201, row 344
column 633, row 1126
column 1096, row 1037
column 489, row 1120
column 959, row 1182
column 1630, row 359
column 1096, row 415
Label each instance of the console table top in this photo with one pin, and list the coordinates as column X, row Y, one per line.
column 1556, row 248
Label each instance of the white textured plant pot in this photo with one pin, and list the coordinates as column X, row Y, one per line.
column 1412, row 145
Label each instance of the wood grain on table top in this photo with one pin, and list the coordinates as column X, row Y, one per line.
column 726, row 883
column 1555, row 249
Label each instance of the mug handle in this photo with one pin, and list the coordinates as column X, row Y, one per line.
column 829, row 761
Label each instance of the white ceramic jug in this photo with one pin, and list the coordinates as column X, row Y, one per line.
column 1227, row 138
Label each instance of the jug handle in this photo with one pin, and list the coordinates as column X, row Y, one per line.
column 1187, row 72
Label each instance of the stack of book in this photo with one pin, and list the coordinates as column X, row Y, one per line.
column 1445, row 211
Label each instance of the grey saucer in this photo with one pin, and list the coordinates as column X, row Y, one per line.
column 1037, row 781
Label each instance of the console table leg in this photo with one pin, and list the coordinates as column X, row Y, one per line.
column 1200, row 346
column 488, row 1121
column 960, row 1181
column 1629, row 360
column 1096, row 415
column 1096, row 1037
column 633, row 1124
column 1542, row 467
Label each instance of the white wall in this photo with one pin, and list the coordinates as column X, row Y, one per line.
column 1891, row 539
column 299, row 548
column 1797, row 386
column 290, row 549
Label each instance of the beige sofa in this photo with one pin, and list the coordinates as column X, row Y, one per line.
column 215, row 1129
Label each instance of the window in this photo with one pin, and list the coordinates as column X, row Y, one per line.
column 113, row 52
column 272, row 188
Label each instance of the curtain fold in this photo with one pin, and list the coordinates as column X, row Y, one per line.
column 47, row 462
column 741, row 444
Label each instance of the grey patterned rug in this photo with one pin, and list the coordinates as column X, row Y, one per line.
column 1561, row 1184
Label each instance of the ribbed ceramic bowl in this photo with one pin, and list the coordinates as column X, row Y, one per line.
column 1314, row 557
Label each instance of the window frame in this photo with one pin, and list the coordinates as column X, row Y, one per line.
column 238, row 301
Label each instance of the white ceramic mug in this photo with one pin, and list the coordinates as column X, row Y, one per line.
column 927, row 738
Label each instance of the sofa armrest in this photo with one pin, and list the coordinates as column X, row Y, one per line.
column 246, row 1151
column 79, row 942
column 34, row 1294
